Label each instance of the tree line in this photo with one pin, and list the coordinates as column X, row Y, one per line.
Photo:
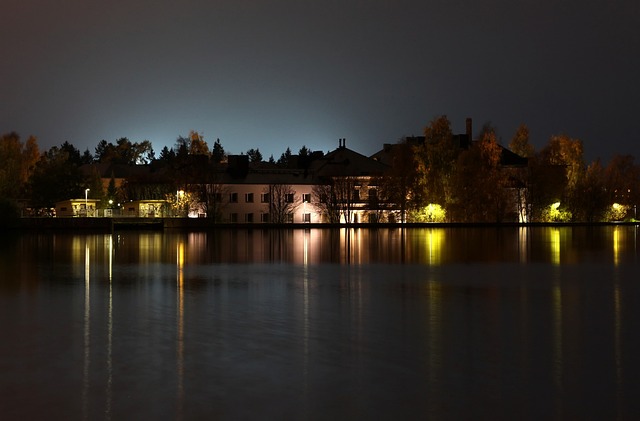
column 430, row 180
column 44, row 178
column 449, row 183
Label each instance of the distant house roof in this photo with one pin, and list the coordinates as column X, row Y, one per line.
column 512, row 159
column 344, row 162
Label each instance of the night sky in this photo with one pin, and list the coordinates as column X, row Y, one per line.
column 278, row 73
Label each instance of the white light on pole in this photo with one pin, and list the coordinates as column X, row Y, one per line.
column 86, row 199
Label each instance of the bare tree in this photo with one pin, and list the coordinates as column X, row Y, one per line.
column 326, row 203
column 282, row 203
column 345, row 191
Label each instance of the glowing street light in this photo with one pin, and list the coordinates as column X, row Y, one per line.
column 86, row 199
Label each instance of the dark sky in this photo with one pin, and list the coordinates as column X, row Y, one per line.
column 278, row 73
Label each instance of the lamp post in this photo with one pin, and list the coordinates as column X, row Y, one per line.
column 86, row 199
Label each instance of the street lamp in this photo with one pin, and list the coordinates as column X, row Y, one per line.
column 86, row 199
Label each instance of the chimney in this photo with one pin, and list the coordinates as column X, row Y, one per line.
column 342, row 143
column 469, row 131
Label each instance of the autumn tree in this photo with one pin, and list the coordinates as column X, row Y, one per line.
column 435, row 163
column 590, row 196
column 520, row 142
column 622, row 181
column 197, row 144
column 401, row 183
column 479, row 186
column 567, row 153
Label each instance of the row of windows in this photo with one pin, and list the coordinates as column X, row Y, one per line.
column 289, row 198
column 264, row 217
column 264, row 197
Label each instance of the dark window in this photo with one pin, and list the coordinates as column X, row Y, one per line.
column 234, row 217
column 248, row 217
column 306, row 198
column 248, row 197
column 233, row 197
column 306, row 217
column 289, row 198
column 264, row 197
column 264, row 217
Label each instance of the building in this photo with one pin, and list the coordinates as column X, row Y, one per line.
column 77, row 208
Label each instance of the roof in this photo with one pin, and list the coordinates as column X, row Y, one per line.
column 344, row 162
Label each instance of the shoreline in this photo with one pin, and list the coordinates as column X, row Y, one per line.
column 202, row 224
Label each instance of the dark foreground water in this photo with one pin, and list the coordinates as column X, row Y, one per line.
column 462, row 323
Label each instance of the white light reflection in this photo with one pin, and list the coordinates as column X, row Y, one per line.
column 87, row 331
column 108, row 393
column 523, row 243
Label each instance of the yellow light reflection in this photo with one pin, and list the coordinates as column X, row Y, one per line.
column 435, row 239
column 555, row 246
column 180, row 327
column 434, row 321
column 617, row 308
column 558, row 347
column 616, row 246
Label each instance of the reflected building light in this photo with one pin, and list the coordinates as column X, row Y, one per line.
column 108, row 394
column 359, row 249
column 305, row 310
column 87, row 331
column 523, row 243
column 110, row 248
column 305, row 248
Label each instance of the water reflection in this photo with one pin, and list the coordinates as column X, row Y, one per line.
column 355, row 323
column 430, row 246
column 180, row 328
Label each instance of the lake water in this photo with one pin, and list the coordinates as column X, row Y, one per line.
column 442, row 323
